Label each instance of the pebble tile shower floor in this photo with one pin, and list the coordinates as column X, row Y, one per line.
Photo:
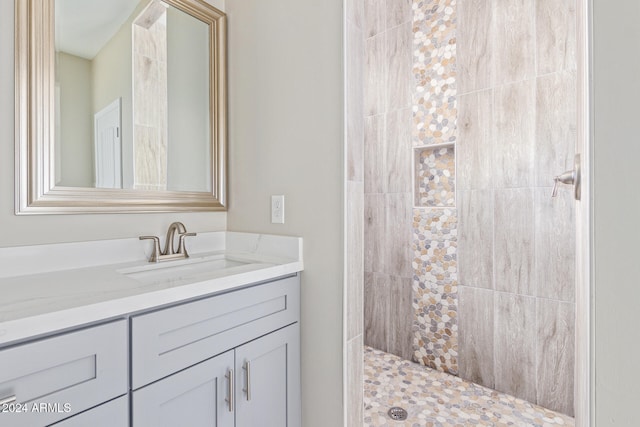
column 433, row 398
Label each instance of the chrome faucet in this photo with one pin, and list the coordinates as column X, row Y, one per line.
column 169, row 251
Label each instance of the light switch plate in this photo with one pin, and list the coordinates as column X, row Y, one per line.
column 277, row 209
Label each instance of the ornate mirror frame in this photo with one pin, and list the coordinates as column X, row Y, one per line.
column 36, row 192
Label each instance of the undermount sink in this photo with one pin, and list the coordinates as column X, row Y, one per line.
column 190, row 268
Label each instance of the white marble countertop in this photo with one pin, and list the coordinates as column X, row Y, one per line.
column 76, row 284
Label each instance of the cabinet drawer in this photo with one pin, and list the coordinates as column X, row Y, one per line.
column 55, row 378
column 169, row 340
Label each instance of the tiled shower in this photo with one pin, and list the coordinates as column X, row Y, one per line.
column 469, row 112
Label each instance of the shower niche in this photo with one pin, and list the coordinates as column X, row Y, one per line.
column 434, row 169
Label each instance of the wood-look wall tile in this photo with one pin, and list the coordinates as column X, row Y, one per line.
column 555, row 353
column 555, row 244
column 475, row 332
column 355, row 382
column 474, row 45
column 514, row 340
column 514, row 241
column 556, row 115
column 398, row 235
column 374, row 232
column 376, row 310
column 355, row 13
column 355, row 258
column 374, row 17
column 398, row 12
column 475, row 238
column 355, row 103
column 514, row 127
column 374, row 154
column 375, row 75
column 397, row 163
column 401, row 317
column 398, row 52
column 474, row 147
column 515, row 49
column 555, row 35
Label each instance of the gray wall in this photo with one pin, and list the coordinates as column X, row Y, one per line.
column 286, row 131
column 25, row 230
column 387, row 177
column 616, row 67
column 517, row 120
column 74, row 160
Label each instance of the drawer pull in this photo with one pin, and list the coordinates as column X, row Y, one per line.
column 8, row 400
column 229, row 400
column 247, row 367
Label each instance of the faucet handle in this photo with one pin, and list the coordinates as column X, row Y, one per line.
column 156, row 247
column 182, row 249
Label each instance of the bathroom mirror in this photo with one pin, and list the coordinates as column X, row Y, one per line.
column 121, row 106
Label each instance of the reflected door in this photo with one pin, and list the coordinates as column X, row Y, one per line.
column 108, row 149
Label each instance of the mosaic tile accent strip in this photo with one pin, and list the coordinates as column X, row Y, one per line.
column 435, row 289
column 434, row 70
column 435, row 177
column 436, row 399
column 435, row 334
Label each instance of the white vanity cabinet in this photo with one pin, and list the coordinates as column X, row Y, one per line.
column 227, row 360
column 92, row 334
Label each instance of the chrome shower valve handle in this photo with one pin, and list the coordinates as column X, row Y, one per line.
column 571, row 177
column 566, row 178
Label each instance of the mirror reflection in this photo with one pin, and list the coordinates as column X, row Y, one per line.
column 132, row 107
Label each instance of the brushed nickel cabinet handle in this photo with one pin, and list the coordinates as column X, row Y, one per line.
column 247, row 367
column 8, row 400
column 230, row 391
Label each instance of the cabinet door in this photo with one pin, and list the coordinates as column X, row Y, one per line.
column 195, row 397
column 268, row 380
column 111, row 414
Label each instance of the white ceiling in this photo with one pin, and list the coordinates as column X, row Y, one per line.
column 84, row 26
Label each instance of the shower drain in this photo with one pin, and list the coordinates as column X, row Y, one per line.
column 397, row 414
